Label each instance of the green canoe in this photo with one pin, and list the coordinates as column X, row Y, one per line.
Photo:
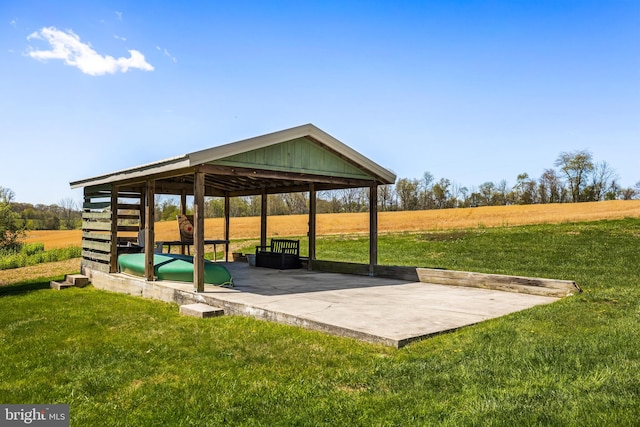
column 175, row 267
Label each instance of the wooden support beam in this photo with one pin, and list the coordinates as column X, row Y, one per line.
column 312, row 224
column 183, row 211
column 280, row 175
column 198, row 232
column 143, row 217
column 113, row 263
column 183, row 202
column 373, row 229
column 263, row 219
column 227, row 229
column 149, row 231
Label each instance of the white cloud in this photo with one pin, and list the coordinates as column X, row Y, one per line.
column 166, row 53
column 117, row 37
column 68, row 47
column 119, row 15
column 14, row 23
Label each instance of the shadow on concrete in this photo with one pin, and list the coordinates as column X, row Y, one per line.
column 273, row 282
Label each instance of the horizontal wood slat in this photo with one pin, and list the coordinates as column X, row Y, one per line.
column 126, row 239
column 128, row 216
column 96, row 226
column 96, row 256
column 96, row 246
column 97, row 188
column 96, row 205
column 129, row 207
column 96, row 215
column 95, row 265
column 96, row 236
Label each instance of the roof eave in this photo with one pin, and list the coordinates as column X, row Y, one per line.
column 143, row 171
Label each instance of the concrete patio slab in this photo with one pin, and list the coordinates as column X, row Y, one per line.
column 388, row 311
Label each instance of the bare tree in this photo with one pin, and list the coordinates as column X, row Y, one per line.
column 603, row 181
column 576, row 167
column 386, row 197
column 442, row 193
column 407, row 190
column 296, row 202
column 487, row 193
column 68, row 212
column 6, row 195
column 627, row 193
column 550, row 187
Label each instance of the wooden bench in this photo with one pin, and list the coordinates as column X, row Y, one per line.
column 281, row 254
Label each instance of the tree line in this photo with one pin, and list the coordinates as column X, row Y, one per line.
column 574, row 177
column 577, row 177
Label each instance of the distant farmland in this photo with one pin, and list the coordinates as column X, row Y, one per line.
column 389, row 222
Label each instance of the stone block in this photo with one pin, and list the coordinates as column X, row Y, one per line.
column 200, row 310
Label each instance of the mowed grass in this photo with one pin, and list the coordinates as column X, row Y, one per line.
column 120, row 360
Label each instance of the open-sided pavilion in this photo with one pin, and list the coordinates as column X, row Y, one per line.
column 300, row 159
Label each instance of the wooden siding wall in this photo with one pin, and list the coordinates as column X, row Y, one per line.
column 97, row 231
column 299, row 156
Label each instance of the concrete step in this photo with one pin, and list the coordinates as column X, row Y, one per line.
column 77, row 280
column 200, row 310
column 60, row 285
column 70, row 280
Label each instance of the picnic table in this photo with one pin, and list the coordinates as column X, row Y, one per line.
column 188, row 243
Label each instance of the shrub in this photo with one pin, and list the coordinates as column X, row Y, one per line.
column 34, row 253
column 29, row 249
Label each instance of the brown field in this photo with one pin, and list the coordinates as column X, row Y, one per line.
column 296, row 225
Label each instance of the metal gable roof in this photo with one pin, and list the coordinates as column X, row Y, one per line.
column 355, row 165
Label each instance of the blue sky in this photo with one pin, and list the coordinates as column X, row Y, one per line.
column 473, row 91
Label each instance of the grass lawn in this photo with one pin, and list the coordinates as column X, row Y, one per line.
column 120, row 360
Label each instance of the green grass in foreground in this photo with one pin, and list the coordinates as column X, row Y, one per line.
column 120, row 360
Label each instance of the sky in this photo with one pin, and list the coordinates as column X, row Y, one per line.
column 471, row 91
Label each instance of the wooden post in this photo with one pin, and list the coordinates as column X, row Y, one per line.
column 263, row 219
column 312, row 225
column 198, row 232
column 373, row 228
column 183, row 211
column 113, row 262
column 227, row 213
column 141, row 211
column 149, row 232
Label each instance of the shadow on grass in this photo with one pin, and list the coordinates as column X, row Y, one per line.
column 23, row 287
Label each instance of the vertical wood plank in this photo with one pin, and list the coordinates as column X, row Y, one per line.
column 227, row 214
column 312, row 224
column 198, row 232
column 263, row 219
column 373, row 228
column 183, row 211
column 142, row 211
column 149, row 230
column 113, row 262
